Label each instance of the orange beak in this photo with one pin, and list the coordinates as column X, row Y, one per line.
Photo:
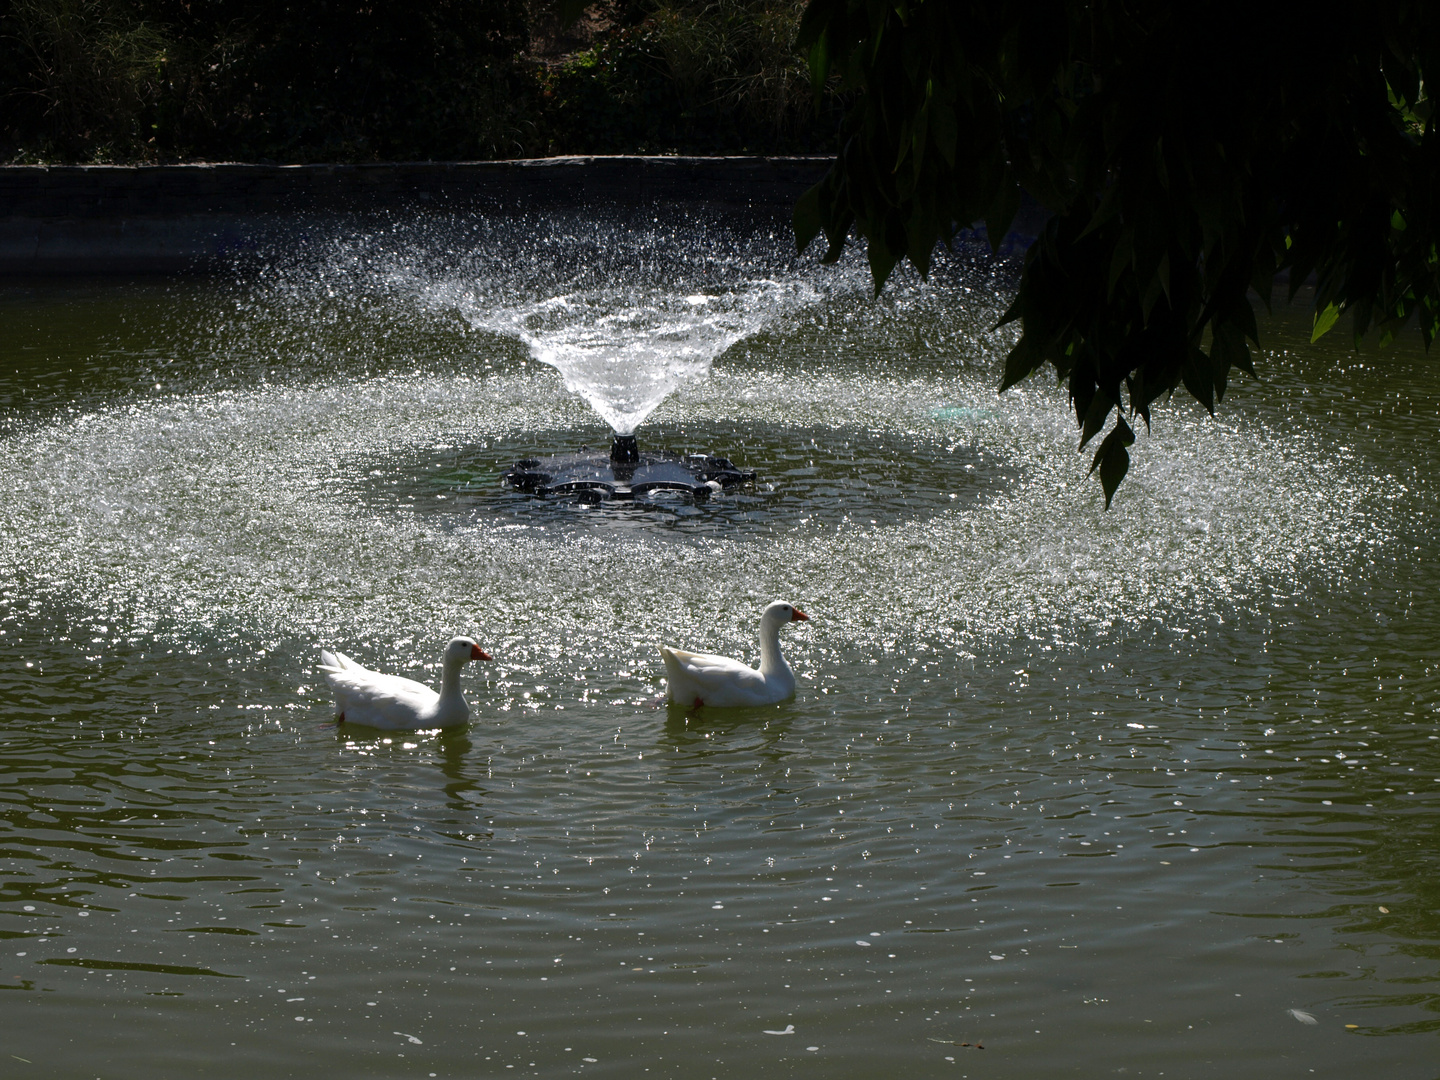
column 477, row 653
column 799, row 616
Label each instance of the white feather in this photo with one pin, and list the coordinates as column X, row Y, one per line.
column 706, row 679
column 391, row 702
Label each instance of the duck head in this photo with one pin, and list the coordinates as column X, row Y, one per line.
column 781, row 612
column 462, row 650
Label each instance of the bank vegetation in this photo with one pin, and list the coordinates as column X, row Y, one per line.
column 154, row 81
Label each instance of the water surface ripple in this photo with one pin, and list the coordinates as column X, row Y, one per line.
column 1147, row 791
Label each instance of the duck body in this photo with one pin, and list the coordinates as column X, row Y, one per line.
column 393, row 703
column 696, row 679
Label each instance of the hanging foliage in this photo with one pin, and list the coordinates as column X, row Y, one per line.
column 1189, row 154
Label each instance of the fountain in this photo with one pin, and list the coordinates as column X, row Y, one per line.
column 624, row 350
column 625, row 473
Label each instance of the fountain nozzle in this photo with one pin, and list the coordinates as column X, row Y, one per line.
column 625, row 474
column 625, row 450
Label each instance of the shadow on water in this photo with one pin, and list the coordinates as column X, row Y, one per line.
column 451, row 751
column 697, row 735
column 463, row 791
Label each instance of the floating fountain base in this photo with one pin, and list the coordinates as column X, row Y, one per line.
column 625, row 473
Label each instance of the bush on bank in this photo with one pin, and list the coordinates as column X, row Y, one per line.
column 152, row 81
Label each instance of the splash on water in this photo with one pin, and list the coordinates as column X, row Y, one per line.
column 307, row 507
column 626, row 350
column 626, row 310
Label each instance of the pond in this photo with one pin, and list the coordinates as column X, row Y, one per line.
column 1062, row 793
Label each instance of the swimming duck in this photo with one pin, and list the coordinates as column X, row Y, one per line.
column 704, row 679
column 394, row 703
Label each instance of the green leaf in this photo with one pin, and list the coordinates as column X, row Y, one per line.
column 1241, row 359
column 1324, row 320
column 1104, row 213
column 1196, row 376
column 808, row 219
column 918, row 143
column 1244, row 317
column 1016, row 310
column 835, row 233
column 1096, row 415
column 1113, row 459
column 1001, row 214
column 945, row 131
column 1227, row 350
column 814, row 21
column 882, row 261
column 1020, row 363
column 820, row 62
column 1262, row 280
column 1121, row 257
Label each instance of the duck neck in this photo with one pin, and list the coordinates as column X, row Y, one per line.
column 450, row 682
column 771, row 662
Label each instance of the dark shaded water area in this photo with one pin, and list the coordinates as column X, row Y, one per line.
column 1147, row 792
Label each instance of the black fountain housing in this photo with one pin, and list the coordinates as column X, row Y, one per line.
column 625, row 473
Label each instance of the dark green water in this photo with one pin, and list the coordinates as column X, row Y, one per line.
column 1152, row 792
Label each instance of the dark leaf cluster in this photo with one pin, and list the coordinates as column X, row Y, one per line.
column 1190, row 154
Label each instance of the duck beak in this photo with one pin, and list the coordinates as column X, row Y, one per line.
column 799, row 616
column 477, row 653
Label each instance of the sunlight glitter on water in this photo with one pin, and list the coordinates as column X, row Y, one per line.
column 242, row 503
column 1149, row 758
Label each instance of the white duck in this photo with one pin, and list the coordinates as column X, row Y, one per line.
column 367, row 697
column 703, row 679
